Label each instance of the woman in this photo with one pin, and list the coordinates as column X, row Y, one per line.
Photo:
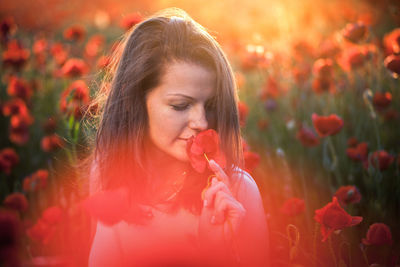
column 170, row 82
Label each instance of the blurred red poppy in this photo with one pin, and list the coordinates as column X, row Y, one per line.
column 352, row 142
column 15, row 56
column 327, row 125
column 18, row 87
column 354, row 32
column 74, row 99
column 206, row 143
column 328, row 49
column 359, row 152
column 59, row 53
column 270, row 89
column 333, row 217
column 94, row 45
column 16, row 201
column 41, row 232
column 321, row 85
column 378, row 234
column 52, row 215
column 243, row 113
column 74, row 33
column 15, row 106
column 8, row 159
column 323, row 68
column 74, row 67
column 36, row 181
column 130, row 20
column 255, row 56
column 382, row 100
column 301, row 73
column 381, row 159
column 51, row 143
column 19, row 128
column 348, row 194
column 293, row 206
column 103, row 62
column 392, row 63
column 307, row 137
column 391, row 42
column 251, row 160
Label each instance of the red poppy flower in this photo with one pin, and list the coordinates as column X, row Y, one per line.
column 94, row 45
column 391, row 42
column 293, row 207
column 74, row 33
column 8, row 159
column 271, row 89
column 333, row 217
column 328, row 49
column 52, row 215
column 392, row 63
column 243, row 113
column 206, row 143
column 74, row 98
column 382, row 100
column 301, row 73
column 41, row 232
column 130, row 20
column 352, row 142
column 254, row 57
column 74, row 67
column 359, row 152
column 381, row 159
column 59, row 53
column 103, row 62
column 19, row 88
column 323, row 68
column 16, row 201
column 36, row 181
column 321, row 85
column 40, row 46
column 15, row 55
column 15, row 106
column 354, row 32
column 251, row 160
column 51, row 143
column 378, row 234
column 307, row 137
column 19, row 128
column 327, row 125
column 348, row 194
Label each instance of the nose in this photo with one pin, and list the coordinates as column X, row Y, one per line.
column 198, row 119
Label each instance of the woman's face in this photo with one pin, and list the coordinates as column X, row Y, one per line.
column 179, row 107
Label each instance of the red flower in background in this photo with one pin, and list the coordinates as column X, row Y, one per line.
column 8, row 159
column 348, row 194
column 323, row 68
column 243, row 113
column 352, row 142
column 293, row 206
column 74, row 33
column 271, row 89
column 251, row 160
column 391, row 42
column 392, row 63
column 359, row 152
column 327, row 125
column 52, row 215
column 36, row 181
column 19, row 128
column 103, row 62
column 74, row 99
column 94, row 45
column 333, row 217
column 16, row 201
column 51, row 143
column 41, row 232
column 59, row 53
column 382, row 100
column 381, row 159
column 205, row 143
column 15, row 106
column 130, row 20
column 255, row 57
column 354, row 32
column 321, row 85
column 378, row 234
column 15, row 55
column 307, row 137
column 74, row 67
column 18, row 87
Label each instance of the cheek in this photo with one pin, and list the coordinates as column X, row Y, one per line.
column 165, row 125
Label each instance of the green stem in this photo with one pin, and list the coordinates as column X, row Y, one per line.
column 334, row 165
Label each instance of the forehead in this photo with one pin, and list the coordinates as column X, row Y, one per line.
column 189, row 79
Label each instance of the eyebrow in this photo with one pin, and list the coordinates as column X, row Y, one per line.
column 186, row 96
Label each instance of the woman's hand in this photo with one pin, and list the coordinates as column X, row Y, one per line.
column 222, row 214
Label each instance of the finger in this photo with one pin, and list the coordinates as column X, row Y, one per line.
column 219, row 172
column 209, row 194
column 220, row 207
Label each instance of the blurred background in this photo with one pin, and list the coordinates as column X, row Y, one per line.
column 319, row 108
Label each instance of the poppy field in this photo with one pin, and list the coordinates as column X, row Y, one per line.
column 319, row 109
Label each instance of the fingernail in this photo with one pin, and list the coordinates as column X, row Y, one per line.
column 213, row 219
column 205, row 202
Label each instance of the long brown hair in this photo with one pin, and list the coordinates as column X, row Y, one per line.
column 137, row 67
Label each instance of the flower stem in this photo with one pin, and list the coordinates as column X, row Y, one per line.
column 332, row 251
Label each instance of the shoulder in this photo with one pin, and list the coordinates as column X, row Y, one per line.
column 243, row 183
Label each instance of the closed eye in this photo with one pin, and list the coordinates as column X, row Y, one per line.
column 180, row 107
